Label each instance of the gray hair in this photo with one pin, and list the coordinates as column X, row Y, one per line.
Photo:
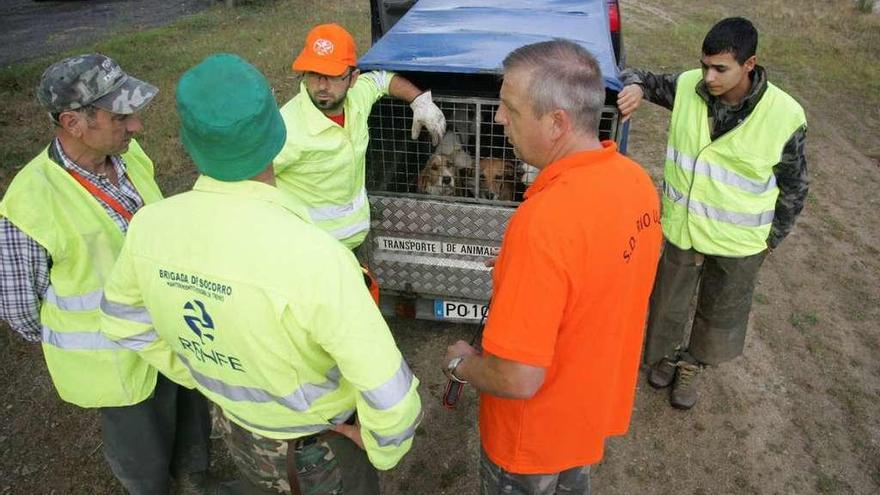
column 564, row 76
column 88, row 111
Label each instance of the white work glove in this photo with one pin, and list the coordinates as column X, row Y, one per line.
column 427, row 114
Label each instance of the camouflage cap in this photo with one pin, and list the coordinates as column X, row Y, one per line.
column 92, row 79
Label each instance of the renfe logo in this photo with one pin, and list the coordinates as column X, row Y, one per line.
column 199, row 324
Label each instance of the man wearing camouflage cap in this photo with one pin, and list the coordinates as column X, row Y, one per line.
column 62, row 222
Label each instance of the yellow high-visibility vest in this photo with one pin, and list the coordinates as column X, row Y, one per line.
column 323, row 164
column 45, row 202
column 266, row 314
column 719, row 196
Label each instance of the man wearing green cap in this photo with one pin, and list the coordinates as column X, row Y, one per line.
column 62, row 222
column 230, row 288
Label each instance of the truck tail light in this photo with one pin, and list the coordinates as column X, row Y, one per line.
column 614, row 16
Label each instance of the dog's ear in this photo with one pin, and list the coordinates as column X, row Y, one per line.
column 422, row 185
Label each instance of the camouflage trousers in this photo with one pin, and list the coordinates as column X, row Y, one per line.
column 332, row 465
column 494, row 480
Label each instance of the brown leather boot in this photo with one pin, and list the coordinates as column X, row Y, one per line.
column 662, row 373
column 684, row 390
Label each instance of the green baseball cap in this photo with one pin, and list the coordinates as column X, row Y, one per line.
column 230, row 123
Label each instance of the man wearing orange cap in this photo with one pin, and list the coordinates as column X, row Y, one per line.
column 323, row 159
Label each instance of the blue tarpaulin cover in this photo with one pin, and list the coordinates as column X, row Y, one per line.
column 471, row 36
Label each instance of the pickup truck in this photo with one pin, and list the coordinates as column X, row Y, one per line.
column 434, row 225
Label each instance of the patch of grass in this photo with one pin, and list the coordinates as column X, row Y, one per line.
column 865, row 6
column 826, row 483
column 858, row 405
column 803, row 321
column 761, row 298
column 267, row 34
column 836, row 228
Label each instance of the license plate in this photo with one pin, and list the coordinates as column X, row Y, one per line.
column 456, row 310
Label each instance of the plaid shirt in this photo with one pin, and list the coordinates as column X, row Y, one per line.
column 25, row 265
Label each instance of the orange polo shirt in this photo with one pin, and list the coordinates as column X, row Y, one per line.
column 571, row 288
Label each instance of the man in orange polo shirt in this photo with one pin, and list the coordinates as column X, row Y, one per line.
column 561, row 347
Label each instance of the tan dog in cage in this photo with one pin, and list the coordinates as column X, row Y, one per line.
column 437, row 177
column 497, row 179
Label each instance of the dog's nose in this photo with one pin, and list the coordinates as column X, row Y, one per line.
column 446, row 180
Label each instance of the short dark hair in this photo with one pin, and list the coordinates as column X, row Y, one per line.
column 563, row 75
column 734, row 35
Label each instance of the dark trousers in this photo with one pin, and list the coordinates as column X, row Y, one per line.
column 724, row 288
column 148, row 443
column 494, row 480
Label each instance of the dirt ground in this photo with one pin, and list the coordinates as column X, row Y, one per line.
column 798, row 413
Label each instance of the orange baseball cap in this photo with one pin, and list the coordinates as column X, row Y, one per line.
column 329, row 50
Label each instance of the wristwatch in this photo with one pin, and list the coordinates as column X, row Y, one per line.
column 451, row 369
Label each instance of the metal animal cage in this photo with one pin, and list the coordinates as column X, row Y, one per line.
column 473, row 163
column 428, row 240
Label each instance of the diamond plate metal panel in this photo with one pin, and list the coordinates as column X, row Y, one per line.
column 430, row 281
column 406, row 215
column 410, row 221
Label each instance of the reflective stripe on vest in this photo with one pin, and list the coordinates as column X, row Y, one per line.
column 335, row 212
column 137, row 314
column 139, row 341
column 732, row 217
column 390, row 393
column 351, row 230
column 299, row 400
column 304, row 429
column 396, row 440
column 718, row 173
column 90, row 341
column 85, row 302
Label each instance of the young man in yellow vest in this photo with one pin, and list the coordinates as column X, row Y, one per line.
column 231, row 288
column 62, row 222
column 735, row 179
column 323, row 160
